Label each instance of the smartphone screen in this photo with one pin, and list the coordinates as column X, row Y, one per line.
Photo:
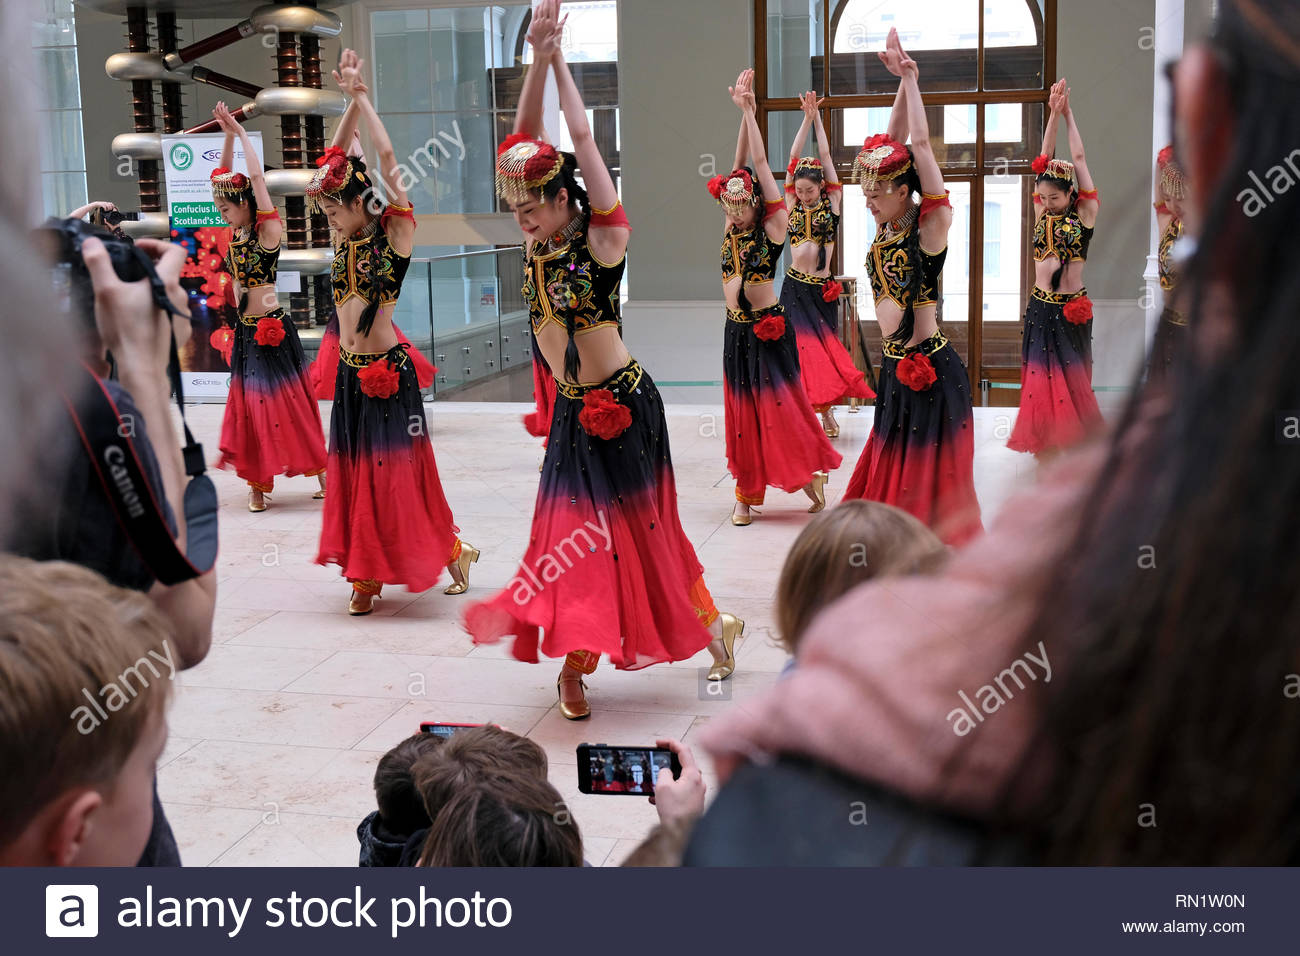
column 623, row 770
column 445, row 730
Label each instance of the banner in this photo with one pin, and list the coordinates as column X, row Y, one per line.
column 188, row 162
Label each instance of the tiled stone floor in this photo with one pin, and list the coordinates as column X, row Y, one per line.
column 274, row 737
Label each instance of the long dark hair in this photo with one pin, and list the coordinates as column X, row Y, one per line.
column 384, row 287
column 816, row 177
column 759, row 206
column 903, row 334
column 1067, row 187
column 567, row 179
column 1173, row 612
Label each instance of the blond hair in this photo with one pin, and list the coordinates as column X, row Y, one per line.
column 839, row 549
column 66, row 636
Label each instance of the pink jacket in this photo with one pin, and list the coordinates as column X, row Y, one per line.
column 880, row 670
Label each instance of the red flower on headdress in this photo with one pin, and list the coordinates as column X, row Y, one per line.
column 602, row 416
column 716, row 185
column 379, row 379
column 1078, row 311
column 220, row 171
column 916, row 372
column 514, row 139
column 1165, row 156
column 223, row 340
column 1040, row 162
column 336, row 162
column 880, row 139
column 770, row 327
column 269, row 331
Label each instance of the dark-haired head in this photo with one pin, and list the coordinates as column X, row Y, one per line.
column 1170, row 731
column 238, row 210
column 547, row 210
column 401, row 808
column 809, row 185
column 1058, row 195
column 504, row 819
column 353, row 207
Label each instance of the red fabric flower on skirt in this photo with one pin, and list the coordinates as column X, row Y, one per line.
column 602, row 416
column 770, row 328
column 223, row 340
column 1078, row 310
column 916, row 372
column 269, row 331
column 831, row 291
column 379, row 379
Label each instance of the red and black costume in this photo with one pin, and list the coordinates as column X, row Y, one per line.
column 386, row 519
column 272, row 422
column 1057, row 404
column 811, row 305
column 773, row 437
column 920, row 455
column 1171, row 333
column 608, row 569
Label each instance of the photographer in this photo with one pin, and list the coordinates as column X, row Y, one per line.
column 76, row 520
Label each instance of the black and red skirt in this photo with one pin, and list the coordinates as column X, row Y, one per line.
column 386, row 518
column 1167, row 346
column 1057, row 404
column 828, row 373
column 608, row 569
column 773, row 437
column 920, row 455
column 272, row 422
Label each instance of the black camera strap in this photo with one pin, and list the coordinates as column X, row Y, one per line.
column 122, row 476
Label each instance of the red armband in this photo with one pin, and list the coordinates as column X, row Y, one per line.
column 610, row 217
column 774, row 206
column 789, row 185
column 1161, row 206
column 789, row 170
column 834, row 187
column 1089, row 194
column 931, row 203
column 266, row 215
column 1038, row 199
column 400, row 212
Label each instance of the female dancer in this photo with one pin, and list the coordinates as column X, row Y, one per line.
column 386, row 520
column 272, row 422
column 1171, row 190
column 1057, row 404
column 772, row 434
column 810, row 298
column 608, row 568
column 920, row 454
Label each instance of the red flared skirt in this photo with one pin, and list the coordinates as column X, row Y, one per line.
column 386, row 516
column 1057, row 405
column 773, row 437
column 825, row 367
column 608, row 569
column 272, row 422
column 920, row 455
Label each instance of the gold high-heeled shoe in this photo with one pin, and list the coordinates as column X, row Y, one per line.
column 831, row 426
column 818, row 488
column 743, row 521
column 361, row 603
column 732, row 628
column 468, row 555
column 578, row 711
column 261, row 505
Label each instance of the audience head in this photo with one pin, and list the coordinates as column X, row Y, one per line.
column 839, row 549
column 504, row 818
column 84, row 683
column 469, row 756
column 401, row 808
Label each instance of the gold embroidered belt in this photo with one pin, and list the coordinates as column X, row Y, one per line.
column 626, row 378
column 931, row 345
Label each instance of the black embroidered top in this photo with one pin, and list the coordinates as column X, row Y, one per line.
column 248, row 262
column 890, row 267
column 362, row 261
column 751, row 254
column 1064, row 236
column 817, row 224
column 570, row 283
column 1173, row 232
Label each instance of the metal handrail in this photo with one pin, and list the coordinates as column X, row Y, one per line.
column 466, row 255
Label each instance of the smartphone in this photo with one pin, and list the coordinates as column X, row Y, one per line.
column 629, row 771
column 444, row 730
